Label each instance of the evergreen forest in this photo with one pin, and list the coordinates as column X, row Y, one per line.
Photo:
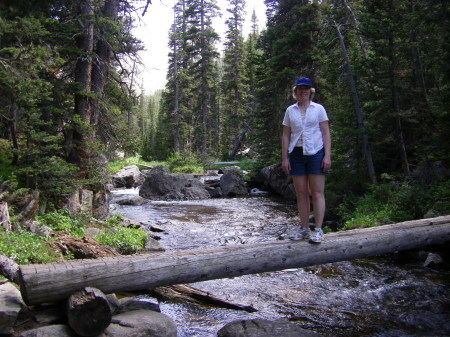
column 70, row 100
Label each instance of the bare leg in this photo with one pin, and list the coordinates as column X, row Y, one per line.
column 302, row 192
column 317, row 186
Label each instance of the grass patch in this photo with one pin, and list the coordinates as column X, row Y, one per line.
column 188, row 163
column 117, row 165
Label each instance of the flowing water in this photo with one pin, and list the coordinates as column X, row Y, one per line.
column 387, row 296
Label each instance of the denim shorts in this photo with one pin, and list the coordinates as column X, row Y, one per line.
column 303, row 164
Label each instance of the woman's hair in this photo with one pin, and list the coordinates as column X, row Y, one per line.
column 311, row 94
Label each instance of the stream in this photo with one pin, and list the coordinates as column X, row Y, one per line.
column 386, row 296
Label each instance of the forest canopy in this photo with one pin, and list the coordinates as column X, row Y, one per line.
column 70, row 99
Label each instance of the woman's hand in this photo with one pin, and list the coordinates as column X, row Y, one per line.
column 286, row 165
column 326, row 163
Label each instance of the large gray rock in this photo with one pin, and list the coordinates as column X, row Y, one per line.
column 134, row 200
column 50, row 331
column 278, row 181
column 232, row 183
column 100, row 204
column 141, row 323
column 81, row 202
column 264, row 328
column 160, row 184
column 40, row 229
column 10, row 305
column 127, row 177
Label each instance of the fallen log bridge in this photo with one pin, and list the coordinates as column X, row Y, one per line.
column 58, row 281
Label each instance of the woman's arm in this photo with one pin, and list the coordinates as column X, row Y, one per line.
column 285, row 138
column 326, row 136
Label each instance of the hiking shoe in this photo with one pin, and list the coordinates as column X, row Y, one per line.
column 316, row 236
column 303, row 233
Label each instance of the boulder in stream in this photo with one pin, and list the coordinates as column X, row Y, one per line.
column 127, row 177
column 160, row 184
column 278, row 181
column 232, row 183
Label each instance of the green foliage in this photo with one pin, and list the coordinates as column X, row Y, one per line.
column 117, row 165
column 6, row 166
column 126, row 240
column 26, row 248
column 62, row 221
column 188, row 163
column 115, row 220
column 53, row 176
column 392, row 202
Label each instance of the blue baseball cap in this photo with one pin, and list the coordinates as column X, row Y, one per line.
column 304, row 81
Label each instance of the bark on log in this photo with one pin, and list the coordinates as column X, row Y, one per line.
column 56, row 281
column 9, row 269
column 88, row 312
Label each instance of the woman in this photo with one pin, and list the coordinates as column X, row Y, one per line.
column 306, row 146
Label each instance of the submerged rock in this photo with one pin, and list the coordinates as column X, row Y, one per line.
column 145, row 323
column 264, row 328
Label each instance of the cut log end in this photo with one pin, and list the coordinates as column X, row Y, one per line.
column 88, row 312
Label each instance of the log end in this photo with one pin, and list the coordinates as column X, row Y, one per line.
column 88, row 312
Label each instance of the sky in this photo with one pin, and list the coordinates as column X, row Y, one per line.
column 154, row 31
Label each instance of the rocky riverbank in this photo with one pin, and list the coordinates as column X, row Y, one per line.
column 133, row 315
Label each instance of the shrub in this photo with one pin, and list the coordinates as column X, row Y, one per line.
column 126, row 240
column 392, row 202
column 61, row 221
column 115, row 220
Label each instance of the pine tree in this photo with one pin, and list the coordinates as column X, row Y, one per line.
column 192, row 76
column 235, row 114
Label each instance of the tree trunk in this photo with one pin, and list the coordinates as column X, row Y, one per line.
column 353, row 17
column 4, row 217
column 88, row 312
column 56, row 281
column 358, row 109
column 204, row 88
column 83, row 66
column 418, row 63
column 79, row 154
column 9, row 269
column 13, row 130
column 239, row 140
column 176, row 108
column 100, row 67
column 396, row 107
